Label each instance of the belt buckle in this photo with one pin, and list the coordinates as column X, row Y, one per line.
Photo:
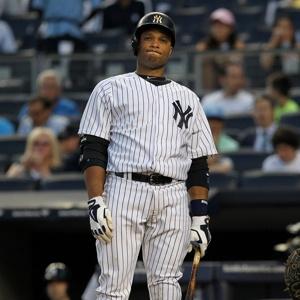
column 154, row 179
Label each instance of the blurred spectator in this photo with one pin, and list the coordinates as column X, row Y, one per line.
column 57, row 277
column 216, row 120
column 8, row 42
column 222, row 37
column 60, row 30
column 14, row 7
column 283, row 38
column 49, row 86
column 220, row 164
column 232, row 98
column 224, row 143
column 40, row 115
column 69, row 148
column 279, row 86
column 41, row 155
column 123, row 14
column 260, row 137
column 287, row 155
column 6, row 127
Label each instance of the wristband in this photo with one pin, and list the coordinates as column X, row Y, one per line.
column 198, row 207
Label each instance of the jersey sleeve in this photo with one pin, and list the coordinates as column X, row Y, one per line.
column 201, row 142
column 96, row 118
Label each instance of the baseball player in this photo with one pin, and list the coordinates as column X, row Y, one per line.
column 144, row 147
column 57, row 277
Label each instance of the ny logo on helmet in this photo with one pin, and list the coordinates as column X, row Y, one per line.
column 157, row 19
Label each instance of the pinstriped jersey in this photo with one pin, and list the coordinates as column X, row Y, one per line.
column 150, row 128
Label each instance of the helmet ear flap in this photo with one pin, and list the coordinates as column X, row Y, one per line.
column 134, row 45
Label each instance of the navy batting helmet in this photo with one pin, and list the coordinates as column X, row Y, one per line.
column 57, row 271
column 153, row 19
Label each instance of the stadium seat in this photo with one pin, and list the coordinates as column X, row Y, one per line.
column 244, row 18
column 4, row 162
column 12, row 145
column 244, row 160
column 24, row 29
column 17, row 184
column 108, row 40
column 223, row 181
column 239, row 122
column 261, row 180
column 65, row 181
column 10, row 107
column 291, row 119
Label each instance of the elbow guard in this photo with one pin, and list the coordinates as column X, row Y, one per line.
column 93, row 152
column 198, row 174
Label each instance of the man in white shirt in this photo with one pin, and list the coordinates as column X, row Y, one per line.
column 232, row 98
column 259, row 138
column 287, row 155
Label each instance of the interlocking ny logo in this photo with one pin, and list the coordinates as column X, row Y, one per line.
column 157, row 19
column 184, row 115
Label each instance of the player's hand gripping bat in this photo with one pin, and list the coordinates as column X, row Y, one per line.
column 192, row 283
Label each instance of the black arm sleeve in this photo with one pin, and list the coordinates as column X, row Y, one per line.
column 198, row 174
column 93, row 152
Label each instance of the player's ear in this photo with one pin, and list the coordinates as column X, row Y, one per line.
column 171, row 51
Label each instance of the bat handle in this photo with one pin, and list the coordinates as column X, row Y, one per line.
column 192, row 283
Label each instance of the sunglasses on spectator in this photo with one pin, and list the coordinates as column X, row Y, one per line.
column 41, row 143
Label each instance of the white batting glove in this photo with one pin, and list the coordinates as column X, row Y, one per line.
column 200, row 235
column 100, row 219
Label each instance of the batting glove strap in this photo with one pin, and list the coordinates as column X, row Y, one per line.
column 200, row 233
column 100, row 219
column 198, row 207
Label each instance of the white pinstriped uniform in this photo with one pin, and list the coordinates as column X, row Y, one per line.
column 151, row 129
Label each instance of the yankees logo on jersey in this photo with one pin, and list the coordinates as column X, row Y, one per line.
column 184, row 115
column 148, row 131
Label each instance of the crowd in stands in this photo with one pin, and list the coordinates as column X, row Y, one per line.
column 48, row 120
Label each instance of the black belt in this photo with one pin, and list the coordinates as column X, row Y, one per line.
column 153, row 178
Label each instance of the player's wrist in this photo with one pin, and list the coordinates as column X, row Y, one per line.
column 96, row 199
column 199, row 208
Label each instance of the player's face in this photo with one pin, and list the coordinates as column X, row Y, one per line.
column 57, row 290
column 154, row 49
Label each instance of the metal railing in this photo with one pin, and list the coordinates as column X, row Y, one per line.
column 199, row 71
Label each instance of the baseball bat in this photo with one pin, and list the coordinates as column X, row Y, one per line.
column 192, row 283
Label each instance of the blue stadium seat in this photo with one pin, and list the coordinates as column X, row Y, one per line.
column 12, row 145
column 245, row 18
column 223, row 181
column 4, row 162
column 244, row 160
column 291, row 119
column 64, row 181
column 239, row 122
column 261, row 180
column 24, row 29
column 107, row 40
column 11, row 107
column 17, row 184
